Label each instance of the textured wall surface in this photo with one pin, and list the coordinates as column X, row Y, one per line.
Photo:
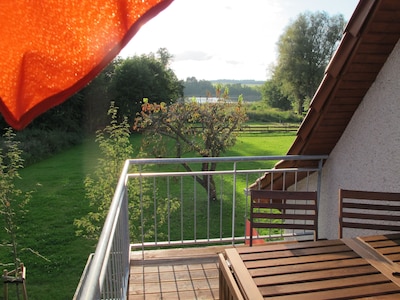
column 367, row 157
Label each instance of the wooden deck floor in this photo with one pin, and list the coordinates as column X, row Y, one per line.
column 175, row 274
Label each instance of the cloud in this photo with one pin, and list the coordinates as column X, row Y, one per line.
column 192, row 55
column 234, row 62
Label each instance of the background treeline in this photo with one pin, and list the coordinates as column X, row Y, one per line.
column 250, row 90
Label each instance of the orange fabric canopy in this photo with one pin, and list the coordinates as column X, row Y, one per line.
column 50, row 49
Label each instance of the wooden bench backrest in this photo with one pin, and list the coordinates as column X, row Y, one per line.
column 284, row 210
column 369, row 210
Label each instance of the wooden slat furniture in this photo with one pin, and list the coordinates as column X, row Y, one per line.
column 388, row 247
column 324, row 269
column 283, row 210
column 228, row 288
column 369, row 210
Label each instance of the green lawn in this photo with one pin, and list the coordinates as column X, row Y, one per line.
column 59, row 198
column 261, row 145
column 48, row 226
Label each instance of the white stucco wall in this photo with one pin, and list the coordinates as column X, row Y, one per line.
column 367, row 157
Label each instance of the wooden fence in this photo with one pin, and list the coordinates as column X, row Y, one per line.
column 268, row 128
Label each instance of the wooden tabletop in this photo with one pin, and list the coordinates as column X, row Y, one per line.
column 327, row 269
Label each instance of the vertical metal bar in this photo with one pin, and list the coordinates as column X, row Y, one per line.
column 208, row 206
column 234, row 203
column 141, row 210
column 181, row 204
column 106, row 286
column 194, row 209
column 120, row 253
column 168, row 211
column 115, row 280
column 221, row 202
column 246, row 206
column 112, row 271
column 124, row 245
column 319, row 180
column 155, row 210
column 284, row 181
column 125, row 242
column 272, row 181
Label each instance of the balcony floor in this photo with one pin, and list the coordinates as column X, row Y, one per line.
column 190, row 273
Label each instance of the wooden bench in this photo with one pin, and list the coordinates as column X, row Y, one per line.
column 369, row 210
column 284, row 210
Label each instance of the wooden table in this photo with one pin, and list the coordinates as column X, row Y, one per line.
column 326, row 269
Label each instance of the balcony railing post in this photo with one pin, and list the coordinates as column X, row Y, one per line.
column 234, row 203
column 319, row 183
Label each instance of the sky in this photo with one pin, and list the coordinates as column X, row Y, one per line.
column 225, row 39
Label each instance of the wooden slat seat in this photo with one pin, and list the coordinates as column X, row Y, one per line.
column 284, row 210
column 369, row 211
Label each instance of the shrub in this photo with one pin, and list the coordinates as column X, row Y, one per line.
column 258, row 112
column 38, row 144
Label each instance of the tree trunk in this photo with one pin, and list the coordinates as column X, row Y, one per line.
column 206, row 181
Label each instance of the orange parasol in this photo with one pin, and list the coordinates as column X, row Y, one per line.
column 50, row 49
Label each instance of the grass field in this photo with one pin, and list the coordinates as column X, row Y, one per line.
column 58, row 199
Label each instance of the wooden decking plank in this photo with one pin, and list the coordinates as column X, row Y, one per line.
column 175, row 277
column 149, row 256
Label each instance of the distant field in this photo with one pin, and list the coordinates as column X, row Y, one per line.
column 59, row 199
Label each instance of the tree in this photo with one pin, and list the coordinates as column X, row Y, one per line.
column 12, row 202
column 115, row 148
column 204, row 88
column 273, row 96
column 97, row 98
column 304, row 50
column 145, row 76
column 207, row 129
column 197, row 88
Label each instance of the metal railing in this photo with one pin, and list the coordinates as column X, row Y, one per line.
column 173, row 206
column 107, row 271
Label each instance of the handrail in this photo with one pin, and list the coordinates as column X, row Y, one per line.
column 145, row 161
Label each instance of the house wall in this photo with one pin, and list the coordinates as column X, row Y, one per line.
column 367, row 157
